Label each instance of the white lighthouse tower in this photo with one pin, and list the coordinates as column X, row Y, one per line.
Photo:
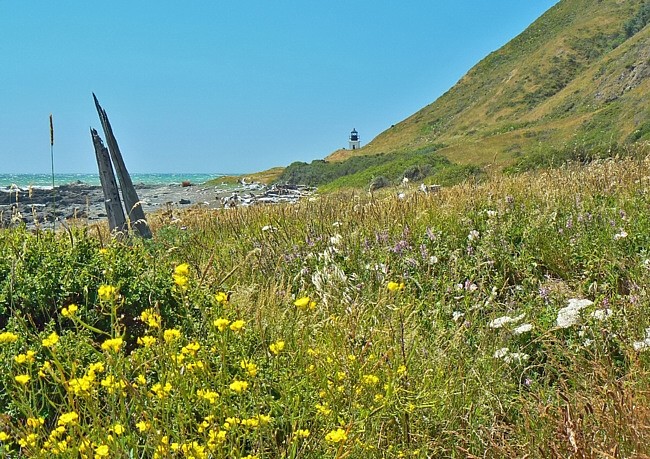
column 355, row 143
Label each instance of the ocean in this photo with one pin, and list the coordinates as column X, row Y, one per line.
column 8, row 181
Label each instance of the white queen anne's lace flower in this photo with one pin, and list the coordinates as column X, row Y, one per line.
column 523, row 328
column 645, row 344
column 569, row 315
column 501, row 321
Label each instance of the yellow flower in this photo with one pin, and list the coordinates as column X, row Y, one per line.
column 304, row 303
column 151, row 318
column 302, row 433
column 44, row 369
column 182, row 270
column 147, row 341
column 22, row 379
column 4, row 437
column 238, row 386
column 107, row 292
column 171, row 334
column 237, row 325
column 160, row 390
column 68, row 418
column 221, row 297
column 336, row 436
column 25, row 358
column 51, row 340
column 103, row 251
column 370, row 380
column 143, row 426
column 113, row 344
column 394, row 286
column 191, row 349
column 264, row 418
column 8, row 337
column 118, row 429
column 101, row 451
column 221, row 324
column 35, row 422
column 323, row 409
column 277, row 347
column 249, row 366
column 209, row 395
column 70, row 310
column 181, row 281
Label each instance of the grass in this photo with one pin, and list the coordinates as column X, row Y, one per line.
column 347, row 325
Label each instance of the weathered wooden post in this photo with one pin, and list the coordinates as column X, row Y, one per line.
column 129, row 195
column 112, row 203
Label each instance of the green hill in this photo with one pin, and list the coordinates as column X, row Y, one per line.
column 575, row 81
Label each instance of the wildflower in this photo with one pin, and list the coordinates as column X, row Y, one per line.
column 523, row 328
column 25, row 358
column 249, row 367
column 394, row 286
column 238, row 386
column 107, row 292
column 645, row 344
column 182, row 270
column 276, row 347
column 4, row 437
column 620, row 235
column 44, row 369
column 171, row 334
column 568, row 316
column 191, row 348
column 101, row 451
column 302, row 433
column 473, row 235
column 143, row 426
column 221, row 297
column 113, row 344
column 22, row 379
column 160, row 390
column 456, row 315
column 112, row 384
column 118, row 429
column 181, row 281
column 28, row 441
column 151, row 318
column 401, row 370
column 8, row 337
column 147, row 341
column 336, row 436
column 370, row 380
column 35, row 423
column 221, row 324
column 70, row 310
column 601, row 314
column 323, row 409
column 68, row 418
column 237, row 325
column 501, row 321
column 51, row 340
column 304, row 303
column 209, row 395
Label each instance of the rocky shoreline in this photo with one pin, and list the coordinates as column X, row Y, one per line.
column 86, row 202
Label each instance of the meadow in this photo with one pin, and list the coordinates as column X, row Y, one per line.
column 506, row 318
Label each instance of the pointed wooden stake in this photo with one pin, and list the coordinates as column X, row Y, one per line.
column 129, row 195
column 112, row 203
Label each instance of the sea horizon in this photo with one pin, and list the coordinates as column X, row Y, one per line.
column 8, row 181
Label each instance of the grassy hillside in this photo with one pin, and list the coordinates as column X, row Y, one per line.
column 508, row 318
column 577, row 78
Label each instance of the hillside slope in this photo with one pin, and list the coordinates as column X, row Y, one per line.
column 577, row 78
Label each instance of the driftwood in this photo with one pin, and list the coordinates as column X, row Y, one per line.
column 116, row 219
column 132, row 203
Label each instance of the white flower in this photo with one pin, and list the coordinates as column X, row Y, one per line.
column 518, row 357
column 473, row 235
column 601, row 314
column 569, row 315
column 268, row 228
column 620, row 235
column 501, row 321
column 433, row 260
column 645, row 344
column 523, row 328
column 491, row 213
column 501, row 353
column 457, row 315
column 336, row 239
column 337, row 224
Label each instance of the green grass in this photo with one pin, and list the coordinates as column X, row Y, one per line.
column 402, row 348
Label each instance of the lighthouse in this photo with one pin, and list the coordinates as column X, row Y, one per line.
column 355, row 143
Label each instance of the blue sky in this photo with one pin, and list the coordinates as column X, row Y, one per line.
column 239, row 86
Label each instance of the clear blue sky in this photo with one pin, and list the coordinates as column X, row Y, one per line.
column 237, row 86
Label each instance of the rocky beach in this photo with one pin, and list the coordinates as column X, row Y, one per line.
column 86, row 202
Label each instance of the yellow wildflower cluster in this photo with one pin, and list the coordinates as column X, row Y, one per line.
column 151, row 318
column 8, row 337
column 107, row 292
column 181, row 276
column 277, row 347
column 113, row 344
column 221, row 298
column 51, row 340
column 68, row 418
column 394, row 286
column 237, row 325
column 238, row 386
column 70, row 310
column 113, row 384
column 28, row 357
column 160, row 390
column 305, row 303
column 337, row 436
column 147, row 341
column 171, row 334
column 249, row 367
column 209, row 395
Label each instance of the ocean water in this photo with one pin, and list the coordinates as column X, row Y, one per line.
column 45, row 180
